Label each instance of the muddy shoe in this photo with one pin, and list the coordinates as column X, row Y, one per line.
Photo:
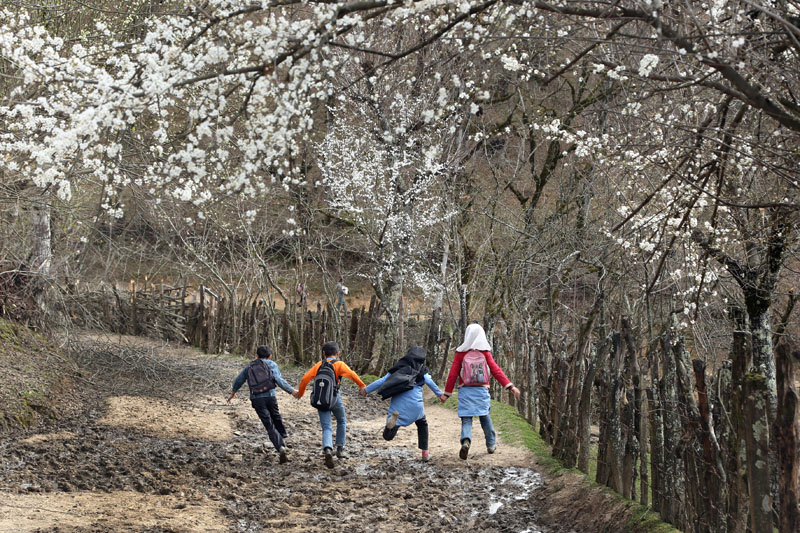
column 426, row 456
column 492, row 448
column 392, row 422
column 464, row 449
column 328, row 457
column 283, row 458
column 340, row 453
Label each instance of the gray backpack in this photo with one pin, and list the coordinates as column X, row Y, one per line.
column 326, row 387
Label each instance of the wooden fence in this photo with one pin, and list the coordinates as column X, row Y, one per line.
column 201, row 317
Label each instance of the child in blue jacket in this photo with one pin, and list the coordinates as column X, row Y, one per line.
column 266, row 403
column 407, row 407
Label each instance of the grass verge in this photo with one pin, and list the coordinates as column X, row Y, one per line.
column 515, row 430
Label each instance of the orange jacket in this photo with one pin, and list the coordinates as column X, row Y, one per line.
column 341, row 369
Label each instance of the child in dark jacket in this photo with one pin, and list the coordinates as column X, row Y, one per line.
column 407, row 407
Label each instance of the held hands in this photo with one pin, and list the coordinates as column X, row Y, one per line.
column 296, row 394
column 442, row 398
column 362, row 391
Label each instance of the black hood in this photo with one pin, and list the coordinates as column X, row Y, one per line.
column 413, row 362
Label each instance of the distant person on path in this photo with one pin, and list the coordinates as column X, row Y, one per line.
column 403, row 384
column 262, row 376
column 472, row 366
column 301, row 294
column 330, row 354
column 341, row 290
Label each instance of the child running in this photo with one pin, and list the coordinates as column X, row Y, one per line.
column 262, row 376
column 471, row 367
column 330, row 352
column 407, row 406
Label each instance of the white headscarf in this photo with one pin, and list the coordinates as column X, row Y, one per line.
column 474, row 339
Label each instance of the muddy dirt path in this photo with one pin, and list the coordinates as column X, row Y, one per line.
column 149, row 444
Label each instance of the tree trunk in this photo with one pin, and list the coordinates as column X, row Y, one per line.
column 762, row 349
column 656, row 448
column 757, row 444
column 462, row 301
column 533, row 391
column 644, row 475
column 713, row 473
column 42, row 257
column 435, row 331
column 733, row 402
column 585, row 412
column 633, row 424
column 674, row 475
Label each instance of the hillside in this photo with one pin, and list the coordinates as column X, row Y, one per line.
column 35, row 377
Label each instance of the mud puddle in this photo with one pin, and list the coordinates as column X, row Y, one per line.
column 167, row 457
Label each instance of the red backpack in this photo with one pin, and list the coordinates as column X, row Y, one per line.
column 474, row 369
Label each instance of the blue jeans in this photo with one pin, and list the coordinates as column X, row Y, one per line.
column 327, row 429
column 486, row 424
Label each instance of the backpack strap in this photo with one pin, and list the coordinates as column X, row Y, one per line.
column 335, row 375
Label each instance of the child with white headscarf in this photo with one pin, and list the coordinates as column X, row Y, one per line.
column 474, row 400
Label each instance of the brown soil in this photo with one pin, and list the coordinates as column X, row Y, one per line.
column 152, row 446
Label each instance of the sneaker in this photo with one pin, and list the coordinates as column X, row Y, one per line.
column 392, row 422
column 464, row 449
column 283, row 458
column 340, row 453
column 328, row 457
column 492, row 448
column 426, row 456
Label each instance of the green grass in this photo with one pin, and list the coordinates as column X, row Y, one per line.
column 368, row 378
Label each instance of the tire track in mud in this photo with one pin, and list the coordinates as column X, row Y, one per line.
column 89, row 471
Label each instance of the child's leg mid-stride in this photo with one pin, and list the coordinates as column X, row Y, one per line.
column 422, row 433
column 466, row 428
column 466, row 436
column 263, row 407
column 327, row 428
column 489, row 433
column 390, row 433
column 390, row 430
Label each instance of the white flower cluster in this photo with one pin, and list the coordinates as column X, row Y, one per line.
column 647, row 64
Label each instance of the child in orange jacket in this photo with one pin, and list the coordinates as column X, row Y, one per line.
column 331, row 353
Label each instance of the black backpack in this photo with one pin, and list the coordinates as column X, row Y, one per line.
column 326, row 387
column 397, row 383
column 259, row 377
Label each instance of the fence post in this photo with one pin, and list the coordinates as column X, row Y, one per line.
column 134, row 325
column 788, row 437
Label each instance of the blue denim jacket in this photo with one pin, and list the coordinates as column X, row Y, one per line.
column 276, row 373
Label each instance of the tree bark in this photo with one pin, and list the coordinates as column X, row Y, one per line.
column 757, row 444
column 674, row 474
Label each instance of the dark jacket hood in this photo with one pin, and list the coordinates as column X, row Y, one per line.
column 413, row 362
